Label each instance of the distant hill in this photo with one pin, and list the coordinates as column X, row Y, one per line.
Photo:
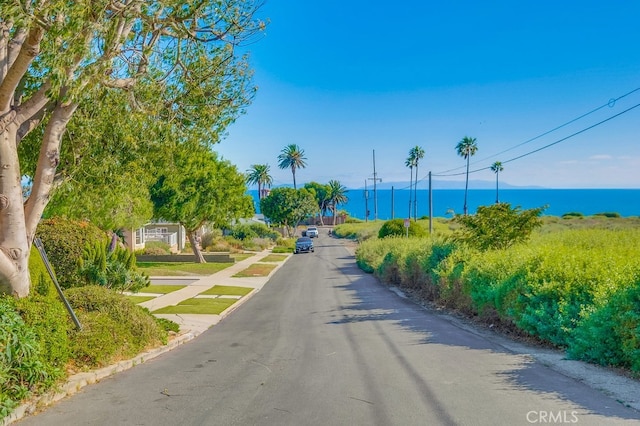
column 447, row 184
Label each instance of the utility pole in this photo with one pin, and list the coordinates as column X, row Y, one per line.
column 393, row 214
column 430, row 206
column 366, row 202
column 375, row 194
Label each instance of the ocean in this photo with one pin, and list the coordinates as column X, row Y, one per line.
column 389, row 203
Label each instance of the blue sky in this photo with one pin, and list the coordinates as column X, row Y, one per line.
column 344, row 78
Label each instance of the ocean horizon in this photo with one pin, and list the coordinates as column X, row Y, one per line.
column 387, row 204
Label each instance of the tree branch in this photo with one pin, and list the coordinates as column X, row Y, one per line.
column 28, row 52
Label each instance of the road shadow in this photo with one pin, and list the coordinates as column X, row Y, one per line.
column 372, row 301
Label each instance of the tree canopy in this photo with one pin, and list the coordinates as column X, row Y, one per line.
column 177, row 62
column 200, row 189
column 286, row 207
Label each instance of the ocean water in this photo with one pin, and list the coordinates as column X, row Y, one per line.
column 395, row 203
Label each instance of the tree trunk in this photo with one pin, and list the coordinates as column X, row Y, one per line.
column 195, row 246
column 14, row 242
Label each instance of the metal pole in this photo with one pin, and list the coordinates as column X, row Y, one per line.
column 375, row 193
column 392, row 210
column 43, row 254
column 366, row 202
column 430, row 206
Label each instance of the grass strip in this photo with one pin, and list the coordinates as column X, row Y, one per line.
column 139, row 299
column 181, row 268
column 274, row 258
column 256, row 270
column 202, row 306
column 227, row 290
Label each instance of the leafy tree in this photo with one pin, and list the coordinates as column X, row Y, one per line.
column 498, row 226
column 466, row 148
column 497, row 168
column 105, row 170
column 337, row 195
column 286, row 207
column 176, row 60
column 321, row 194
column 200, row 189
column 416, row 154
column 292, row 157
column 259, row 175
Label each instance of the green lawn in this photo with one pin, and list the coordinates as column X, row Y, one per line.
column 181, row 268
column 256, row 270
column 274, row 258
column 203, row 306
column 139, row 299
column 226, row 290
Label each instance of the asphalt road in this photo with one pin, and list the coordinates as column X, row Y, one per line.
column 325, row 344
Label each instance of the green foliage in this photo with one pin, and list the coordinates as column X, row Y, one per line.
column 23, row 367
column 114, row 269
column 41, row 282
column 395, row 227
column 64, row 242
column 156, row 247
column 198, row 188
column 253, row 230
column 287, row 206
column 610, row 334
column 168, row 325
column 578, row 288
column 50, row 322
column 609, row 214
column 208, row 238
column 572, row 214
column 498, row 226
column 114, row 328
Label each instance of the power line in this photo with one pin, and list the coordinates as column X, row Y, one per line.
column 611, row 103
column 551, row 144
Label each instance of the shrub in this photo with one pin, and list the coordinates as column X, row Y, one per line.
column 498, row 226
column 50, row 322
column 23, row 371
column 64, row 241
column 253, row 230
column 156, row 247
column 572, row 214
column 114, row 269
column 114, row 328
column 395, row 227
column 41, row 282
column 610, row 334
column 208, row 238
column 608, row 214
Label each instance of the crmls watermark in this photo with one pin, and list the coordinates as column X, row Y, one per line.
column 552, row 417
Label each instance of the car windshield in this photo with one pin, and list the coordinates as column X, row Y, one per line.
column 304, row 239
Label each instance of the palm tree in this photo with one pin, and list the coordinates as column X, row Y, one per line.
column 410, row 162
column 497, row 168
column 337, row 195
column 466, row 148
column 292, row 156
column 417, row 153
column 259, row 174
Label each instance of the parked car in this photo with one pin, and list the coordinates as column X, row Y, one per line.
column 304, row 244
column 312, row 232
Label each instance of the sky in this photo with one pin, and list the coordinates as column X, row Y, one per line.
column 549, row 88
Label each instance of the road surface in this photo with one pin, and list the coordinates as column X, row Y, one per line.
column 325, row 344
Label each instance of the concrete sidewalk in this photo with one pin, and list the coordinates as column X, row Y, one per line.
column 190, row 327
column 195, row 324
